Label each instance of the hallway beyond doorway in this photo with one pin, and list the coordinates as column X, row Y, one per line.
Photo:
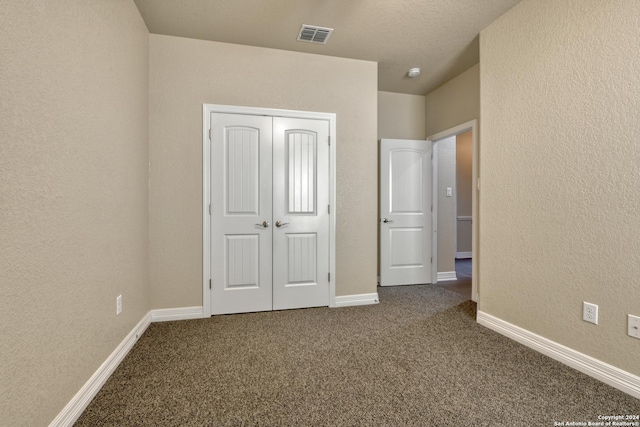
column 462, row 285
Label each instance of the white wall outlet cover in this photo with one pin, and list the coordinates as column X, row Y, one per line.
column 590, row 312
column 634, row 326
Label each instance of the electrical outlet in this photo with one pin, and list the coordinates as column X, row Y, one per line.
column 118, row 305
column 590, row 312
column 634, row 326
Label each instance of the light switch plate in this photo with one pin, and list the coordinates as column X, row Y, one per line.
column 449, row 191
column 634, row 326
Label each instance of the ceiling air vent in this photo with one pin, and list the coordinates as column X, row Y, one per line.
column 313, row 34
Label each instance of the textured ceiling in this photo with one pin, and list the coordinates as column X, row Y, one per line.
column 439, row 36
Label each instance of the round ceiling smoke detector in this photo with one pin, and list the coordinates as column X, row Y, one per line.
column 414, row 72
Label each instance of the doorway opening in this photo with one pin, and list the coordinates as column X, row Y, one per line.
column 458, row 248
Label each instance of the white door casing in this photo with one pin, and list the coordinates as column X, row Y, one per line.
column 267, row 170
column 241, row 213
column 300, row 213
column 407, row 226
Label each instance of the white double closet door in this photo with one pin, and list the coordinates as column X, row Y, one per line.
column 269, row 213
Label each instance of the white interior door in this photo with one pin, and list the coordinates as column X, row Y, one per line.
column 269, row 213
column 406, row 228
column 300, row 213
column 241, row 213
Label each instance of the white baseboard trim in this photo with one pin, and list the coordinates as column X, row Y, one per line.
column 359, row 299
column 463, row 255
column 70, row 413
column 615, row 377
column 443, row 276
column 180, row 313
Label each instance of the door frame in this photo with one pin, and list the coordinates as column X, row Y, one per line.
column 475, row 198
column 207, row 109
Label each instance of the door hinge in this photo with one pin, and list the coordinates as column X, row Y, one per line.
column 329, row 139
column 431, row 208
column 328, row 209
column 431, row 260
column 209, row 208
column 209, row 134
column 209, row 283
column 329, row 276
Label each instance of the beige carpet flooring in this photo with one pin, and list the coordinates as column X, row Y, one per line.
column 416, row 359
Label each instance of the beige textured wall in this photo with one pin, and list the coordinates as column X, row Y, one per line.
column 73, row 196
column 464, row 162
column 453, row 103
column 446, row 205
column 401, row 116
column 560, row 166
column 185, row 73
column 464, row 189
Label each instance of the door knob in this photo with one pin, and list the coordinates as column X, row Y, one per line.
column 385, row 220
column 264, row 224
column 280, row 224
